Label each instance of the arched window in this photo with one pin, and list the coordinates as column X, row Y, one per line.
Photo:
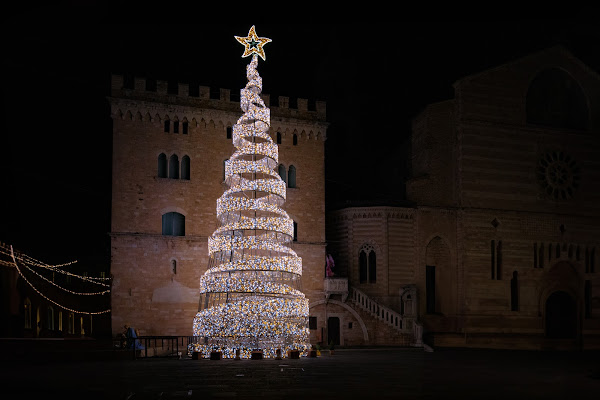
column 282, row 173
column 185, row 168
column 291, row 177
column 174, row 167
column 228, row 132
column 162, row 165
column 27, row 312
column 278, row 138
column 295, row 139
column 175, row 126
column 367, row 262
column 50, row 318
column 555, row 99
column 173, row 224
column 167, row 125
column 185, row 127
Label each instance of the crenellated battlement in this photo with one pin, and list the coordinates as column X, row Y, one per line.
column 185, row 94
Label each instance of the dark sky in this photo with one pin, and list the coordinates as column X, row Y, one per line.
column 56, row 136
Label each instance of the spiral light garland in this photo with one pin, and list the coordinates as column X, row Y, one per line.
column 250, row 296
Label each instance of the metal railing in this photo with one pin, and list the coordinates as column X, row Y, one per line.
column 157, row 346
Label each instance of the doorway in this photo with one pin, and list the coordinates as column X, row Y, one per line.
column 561, row 316
column 333, row 330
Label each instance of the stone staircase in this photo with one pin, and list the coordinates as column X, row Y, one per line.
column 386, row 327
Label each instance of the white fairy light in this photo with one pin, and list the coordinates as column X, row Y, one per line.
column 17, row 258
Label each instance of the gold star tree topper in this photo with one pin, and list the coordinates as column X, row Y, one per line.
column 253, row 44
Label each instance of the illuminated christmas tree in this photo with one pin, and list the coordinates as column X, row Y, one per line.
column 250, row 297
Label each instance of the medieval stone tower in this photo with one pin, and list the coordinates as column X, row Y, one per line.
column 170, row 144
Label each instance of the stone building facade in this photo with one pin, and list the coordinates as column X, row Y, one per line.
column 498, row 245
column 170, row 143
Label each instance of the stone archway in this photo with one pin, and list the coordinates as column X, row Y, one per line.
column 561, row 316
column 348, row 308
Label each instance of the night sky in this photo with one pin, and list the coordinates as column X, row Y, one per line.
column 57, row 135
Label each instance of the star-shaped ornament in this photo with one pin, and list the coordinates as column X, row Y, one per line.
column 253, row 44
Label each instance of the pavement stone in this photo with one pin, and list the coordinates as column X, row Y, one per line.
column 381, row 373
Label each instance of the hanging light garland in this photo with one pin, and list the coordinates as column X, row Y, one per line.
column 17, row 258
column 250, row 297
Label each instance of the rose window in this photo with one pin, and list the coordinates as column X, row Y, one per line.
column 558, row 175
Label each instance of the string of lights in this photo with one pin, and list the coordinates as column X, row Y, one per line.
column 17, row 258
column 250, row 297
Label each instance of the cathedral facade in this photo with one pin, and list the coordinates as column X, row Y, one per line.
column 499, row 244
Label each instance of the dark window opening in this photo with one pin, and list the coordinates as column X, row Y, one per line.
column 278, row 138
column 167, row 126
column 312, row 323
column 175, row 126
column 162, row 165
column 295, row 231
column 292, row 177
column 514, row 292
column 295, row 140
column 535, row 256
column 174, row 167
column 185, row 128
column 493, row 254
column 362, row 262
column 185, row 168
column 541, row 257
column 372, row 267
column 499, row 260
column 228, row 132
column 282, row 173
column 173, row 224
